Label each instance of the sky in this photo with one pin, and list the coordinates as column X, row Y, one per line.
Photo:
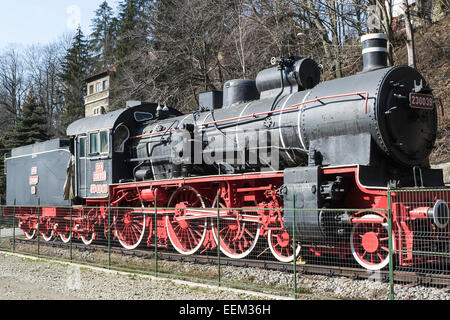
column 27, row 22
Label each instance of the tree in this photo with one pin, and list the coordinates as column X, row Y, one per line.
column 3, row 152
column 409, row 35
column 43, row 66
column 75, row 68
column 103, row 38
column 128, row 25
column 31, row 125
column 12, row 87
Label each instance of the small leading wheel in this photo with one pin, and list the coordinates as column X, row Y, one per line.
column 369, row 244
column 65, row 236
column 30, row 234
column 186, row 232
column 46, row 230
column 88, row 221
column 282, row 246
column 47, row 235
column 238, row 234
column 130, row 228
column 87, row 237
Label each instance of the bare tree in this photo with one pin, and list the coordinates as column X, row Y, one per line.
column 12, row 86
column 409, row 35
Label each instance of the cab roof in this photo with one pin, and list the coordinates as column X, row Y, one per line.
column 112, row 119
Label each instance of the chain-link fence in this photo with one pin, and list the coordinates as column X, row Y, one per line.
column 405, row 243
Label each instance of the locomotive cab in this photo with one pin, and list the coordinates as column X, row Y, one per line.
column 102, row 148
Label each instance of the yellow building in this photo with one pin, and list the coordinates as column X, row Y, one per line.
column 98, row 98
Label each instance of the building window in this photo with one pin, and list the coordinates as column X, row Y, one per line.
column 98, row 87
column 105, row 85
column 91, row 89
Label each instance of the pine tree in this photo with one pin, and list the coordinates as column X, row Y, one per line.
column 103, row 38
column 75, row 68
column 130, row 12
column 30, row 125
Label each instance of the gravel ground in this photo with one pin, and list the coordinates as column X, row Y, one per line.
column 28, row 279
column 53, row 278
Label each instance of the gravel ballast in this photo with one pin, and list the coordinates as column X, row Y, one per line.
column 27, row 278
column 24, row 278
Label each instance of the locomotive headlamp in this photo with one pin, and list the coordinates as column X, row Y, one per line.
column 440, row 214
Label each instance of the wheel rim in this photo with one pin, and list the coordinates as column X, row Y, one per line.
column 281, row 245
column 65, row 237
column 130, row 229
column 369, row 244
column 187, row 236
column 48, row 236
column 30, row 235
column 87, row 240
column 237, row 240
column 87, row 226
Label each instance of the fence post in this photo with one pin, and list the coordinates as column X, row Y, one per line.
column 294, row 247
column 156, row 234
column 70, row 230
column 38, row 224
column 391, row 262
column 109, row 232
column 14, row 226
column 218, row 236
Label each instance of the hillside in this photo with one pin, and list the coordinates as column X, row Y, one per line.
column 433, row 61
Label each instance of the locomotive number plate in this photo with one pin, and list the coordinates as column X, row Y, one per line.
column 421, row 101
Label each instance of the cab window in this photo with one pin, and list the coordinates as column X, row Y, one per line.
column 143, row 116
column 99, row 142
column 104, row 148
column 82, row 147
column 93, row 143
column 121, row 135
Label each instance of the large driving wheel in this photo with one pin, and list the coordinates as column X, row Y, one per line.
column 238, row 233
column 369, row 244
column 186, row 232
column 130, row 228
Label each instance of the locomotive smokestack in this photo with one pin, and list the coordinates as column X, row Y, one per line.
column 374, row 51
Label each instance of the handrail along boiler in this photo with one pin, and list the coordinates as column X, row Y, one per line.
column 337, row 144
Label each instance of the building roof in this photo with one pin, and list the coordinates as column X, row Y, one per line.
column 100, row 74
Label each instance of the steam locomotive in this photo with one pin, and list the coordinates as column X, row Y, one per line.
column 271, row 158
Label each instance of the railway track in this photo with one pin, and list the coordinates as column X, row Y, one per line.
column 412, row 278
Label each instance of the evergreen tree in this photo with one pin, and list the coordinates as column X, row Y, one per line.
column 31, row 124
column 129, row 22
column 103, row 37
column 75, row 68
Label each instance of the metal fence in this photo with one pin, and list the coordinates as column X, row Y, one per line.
column 241, row 248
